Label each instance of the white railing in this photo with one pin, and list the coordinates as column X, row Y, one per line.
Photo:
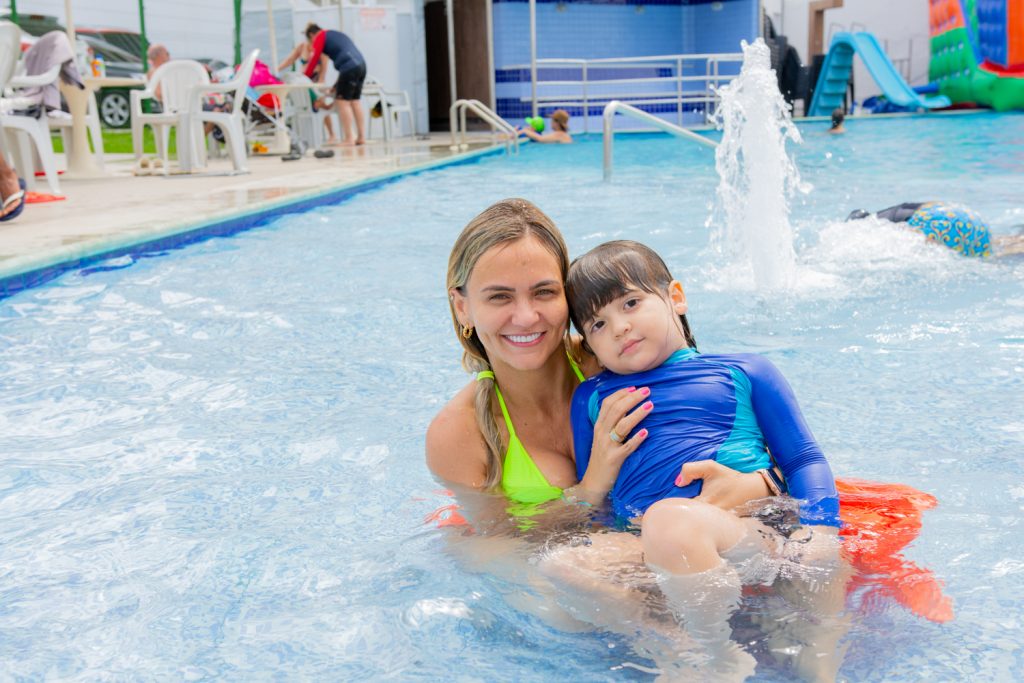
column 457, row 123
column 615, row 107
column 693, row 81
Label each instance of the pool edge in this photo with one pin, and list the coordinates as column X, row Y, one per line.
column 34, row 271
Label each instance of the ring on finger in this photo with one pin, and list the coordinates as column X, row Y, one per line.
column 614, row 436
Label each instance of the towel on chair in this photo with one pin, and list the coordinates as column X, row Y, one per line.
column 51, row 49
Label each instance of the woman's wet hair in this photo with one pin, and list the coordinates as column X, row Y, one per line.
column 505, row 222
column 609, row 271
column 561, row 117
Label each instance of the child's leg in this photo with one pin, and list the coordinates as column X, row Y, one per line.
column 685, row 541
column 687, row 536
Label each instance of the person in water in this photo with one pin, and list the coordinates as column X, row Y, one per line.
column 504, row 442
column 951, row 225
column 730, row 408
column 837, row 122
column 559, row 129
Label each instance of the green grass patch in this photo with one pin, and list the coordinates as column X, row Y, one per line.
column 119, row 141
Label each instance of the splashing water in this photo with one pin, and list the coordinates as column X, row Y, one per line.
column 750, row 219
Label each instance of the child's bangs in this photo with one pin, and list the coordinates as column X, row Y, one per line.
column 596, row 279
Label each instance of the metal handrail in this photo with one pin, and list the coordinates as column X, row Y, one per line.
column 594, row 92
column 457, row 115
column 617, row 107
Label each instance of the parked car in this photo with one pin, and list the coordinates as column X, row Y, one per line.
column 122, row 56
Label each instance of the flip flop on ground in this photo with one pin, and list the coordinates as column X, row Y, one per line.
column 14, row 203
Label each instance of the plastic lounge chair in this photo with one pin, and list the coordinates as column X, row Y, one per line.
column 176, row 80
column 393, row 103
column 33, row 131
column 229, row 120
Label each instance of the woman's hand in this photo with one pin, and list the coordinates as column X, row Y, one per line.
column 723, row 486
column 612, row 442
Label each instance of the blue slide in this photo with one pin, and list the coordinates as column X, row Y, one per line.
column 835, row 74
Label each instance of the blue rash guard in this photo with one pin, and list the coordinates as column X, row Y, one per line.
column 727, row 408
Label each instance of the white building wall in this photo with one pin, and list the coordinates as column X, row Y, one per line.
column 900, row 25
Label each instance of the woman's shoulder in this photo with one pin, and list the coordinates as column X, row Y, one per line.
column 455, row 448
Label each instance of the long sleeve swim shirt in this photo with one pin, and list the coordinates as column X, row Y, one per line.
column 733, row 409
column 338, row 47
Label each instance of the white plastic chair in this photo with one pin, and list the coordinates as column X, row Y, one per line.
column 393, row 104
column 34, row 133
column 306, row 123
column 229, row 121
column 176, row 80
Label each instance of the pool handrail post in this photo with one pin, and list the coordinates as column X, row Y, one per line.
column 533, row 56
column 457, row 115
column 615, row 106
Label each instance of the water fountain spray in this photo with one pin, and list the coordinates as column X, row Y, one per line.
column 750, row 220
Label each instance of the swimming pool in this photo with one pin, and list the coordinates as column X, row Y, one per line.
column 213, row 458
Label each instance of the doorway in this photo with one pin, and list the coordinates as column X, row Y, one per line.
column 473, row 78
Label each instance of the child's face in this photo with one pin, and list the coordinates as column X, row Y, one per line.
column 638, row 331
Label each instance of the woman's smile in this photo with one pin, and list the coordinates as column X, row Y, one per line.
column 531, row 339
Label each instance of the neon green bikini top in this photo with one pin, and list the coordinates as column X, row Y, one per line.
column 521, row 479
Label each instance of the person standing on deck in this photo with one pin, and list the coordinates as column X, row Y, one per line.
column 351, row 66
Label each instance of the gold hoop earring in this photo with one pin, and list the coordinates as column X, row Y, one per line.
column 467, row 331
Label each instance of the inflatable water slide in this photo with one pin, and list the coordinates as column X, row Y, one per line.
column 978, row 51
column 835, row 74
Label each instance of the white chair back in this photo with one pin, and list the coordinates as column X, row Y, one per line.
column 240, row 82
column 176, row 79
column 10, row 50
column 300, row 98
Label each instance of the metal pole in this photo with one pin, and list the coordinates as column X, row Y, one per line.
column 238, row 32
column 341, row 17
column 586, row 103
column 69, row 21
column 533, row 56
column 273, row 34
column 142, row 33
column 449, row 6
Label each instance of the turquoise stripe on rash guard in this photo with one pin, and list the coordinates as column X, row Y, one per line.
column 744, row 450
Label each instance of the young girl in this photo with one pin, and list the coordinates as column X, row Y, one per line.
column 735, row 409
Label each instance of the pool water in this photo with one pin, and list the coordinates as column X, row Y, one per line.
column 213, row 457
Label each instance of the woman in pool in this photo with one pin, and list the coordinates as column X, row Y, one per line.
column 559, row 129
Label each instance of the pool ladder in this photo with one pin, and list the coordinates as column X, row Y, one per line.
column 457, row 115
column 616, row 107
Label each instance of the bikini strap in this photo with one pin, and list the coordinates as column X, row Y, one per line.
column 575, row 368
column 488, row 374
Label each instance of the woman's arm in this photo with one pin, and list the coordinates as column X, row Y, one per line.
column 456, row 452
column 291, row 58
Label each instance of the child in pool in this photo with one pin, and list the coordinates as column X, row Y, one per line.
column 730, row 408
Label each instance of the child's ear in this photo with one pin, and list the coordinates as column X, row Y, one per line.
column 677, row 296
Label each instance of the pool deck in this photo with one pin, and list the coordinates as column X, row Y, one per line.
column 122, row 209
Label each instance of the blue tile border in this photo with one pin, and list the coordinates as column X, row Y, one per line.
column 224, row 227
